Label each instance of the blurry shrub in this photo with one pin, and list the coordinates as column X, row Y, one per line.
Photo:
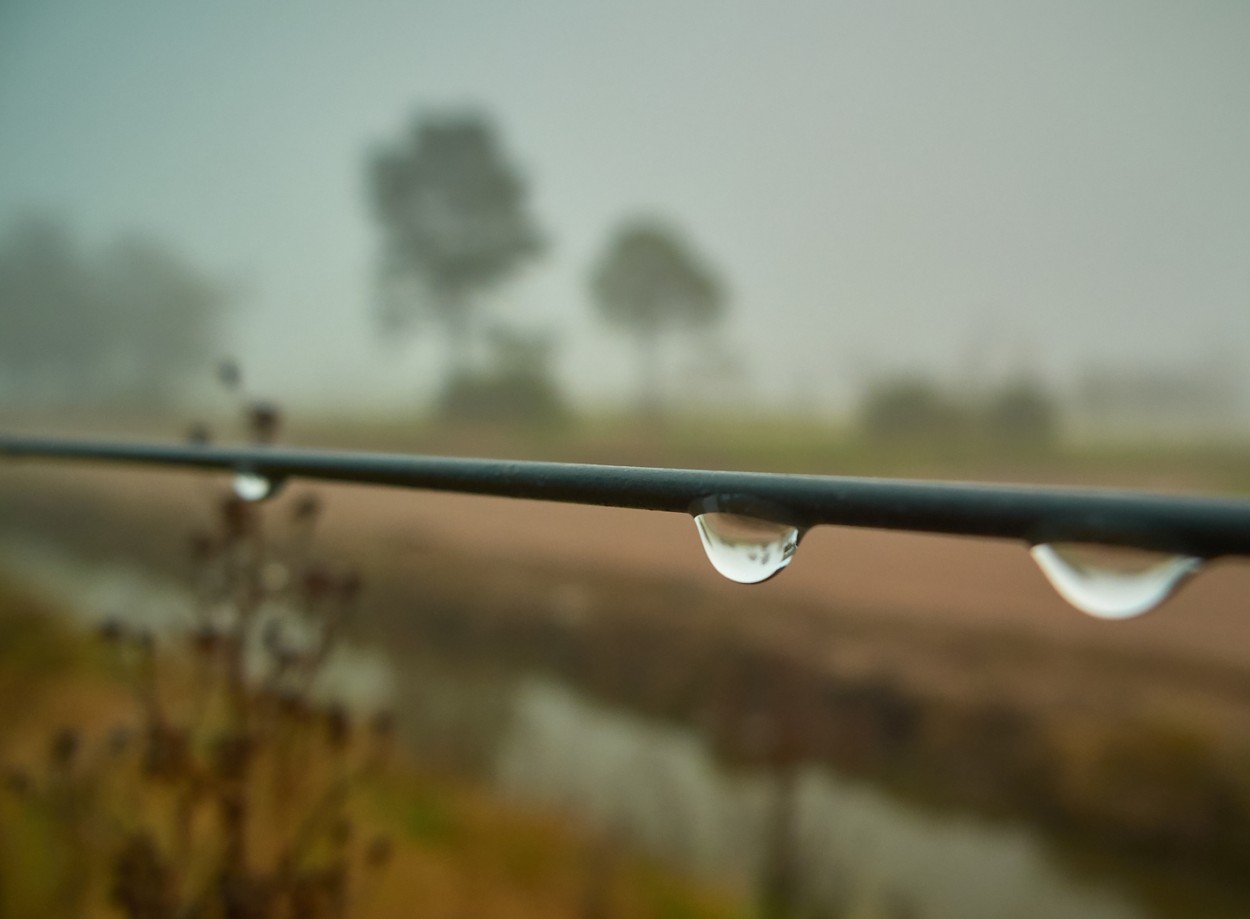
column 1159, row 784
column 502, row 397
column 915, row 410
column 910, row 409
column 228, row 789
column 129, row 322
column 517, row 387
column 1022, row 413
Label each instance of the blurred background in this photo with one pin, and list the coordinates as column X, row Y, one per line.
column 980, row 241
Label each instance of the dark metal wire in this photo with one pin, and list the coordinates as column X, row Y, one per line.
column 1202, row 527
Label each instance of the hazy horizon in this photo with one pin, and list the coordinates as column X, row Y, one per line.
column 967, row 191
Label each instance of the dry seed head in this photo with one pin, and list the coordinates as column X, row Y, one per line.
column 118, row 739
column 231, row 755
column 232, row 809
column 206, row 640
column 111, row 630
column 18, row 781
column 145, row 641
column 198, row 435
column 238, row 517
column 141, row 879
column 166, row 754
column 263, row 420
column 245, row 896
column 379, row 851
column 341, row 832
column 338, row 726
column 294, row 706
column 317, row 583
column 201, row 546
column 319, row 892
column 306, row 509
column 350, row 586
column 64, row 748
column 382, row 725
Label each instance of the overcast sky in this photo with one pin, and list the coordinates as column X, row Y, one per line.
column 948, row 187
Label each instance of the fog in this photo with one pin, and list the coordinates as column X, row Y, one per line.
column 967, row 191
column 966, row 241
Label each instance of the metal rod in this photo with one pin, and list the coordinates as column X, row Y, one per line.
column 1202, row 527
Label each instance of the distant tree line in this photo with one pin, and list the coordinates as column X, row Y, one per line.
column 913, row 409
column 131, row 322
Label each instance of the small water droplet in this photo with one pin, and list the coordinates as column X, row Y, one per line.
column 251, row 486
column 1112, row 583
column 746, row 549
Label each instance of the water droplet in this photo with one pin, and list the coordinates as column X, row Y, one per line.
column 251, row 486
column 1113, row 583
column 746, row 549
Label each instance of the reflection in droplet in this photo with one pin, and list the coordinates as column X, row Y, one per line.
column 746, row 549
column 251, row 486
column 1113, row 583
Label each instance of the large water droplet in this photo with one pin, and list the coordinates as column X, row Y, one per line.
column 252, row 486
column 1113, row 583
column 746, row 549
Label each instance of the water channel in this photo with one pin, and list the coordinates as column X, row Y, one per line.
column 858, row 851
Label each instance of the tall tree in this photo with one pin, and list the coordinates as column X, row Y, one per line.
column 649, row 282
column 454, row 223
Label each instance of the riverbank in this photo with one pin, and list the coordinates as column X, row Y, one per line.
column 429, row 842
